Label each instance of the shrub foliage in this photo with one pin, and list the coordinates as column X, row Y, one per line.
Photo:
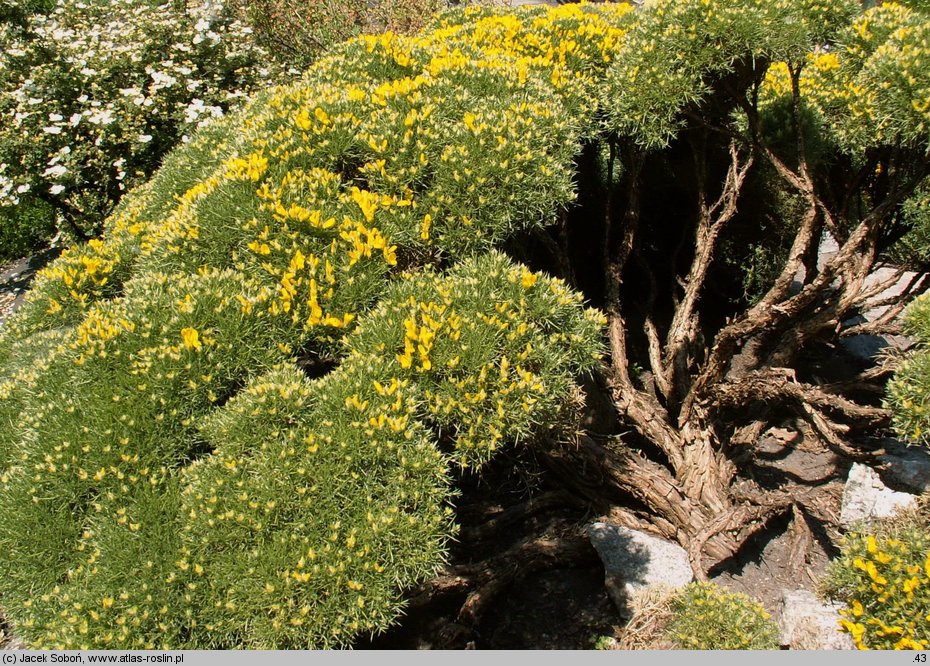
column 706, row 617
column 231, row 420
column 884, row 577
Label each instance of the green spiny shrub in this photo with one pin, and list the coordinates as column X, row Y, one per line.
column 708, row 618
column 884, row 577
column 908, row 394
column 170, row 476
column 679, row 48
column 902, row 35
column 312, row 501
column 494, row 350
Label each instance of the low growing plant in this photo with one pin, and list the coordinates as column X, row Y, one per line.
column 883, row 575
column 706, row 617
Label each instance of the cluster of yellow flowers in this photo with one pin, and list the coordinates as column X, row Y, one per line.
column 326, row 486
column 889, row 609
column 486, row 366
column 363, row 162
column 873, row 87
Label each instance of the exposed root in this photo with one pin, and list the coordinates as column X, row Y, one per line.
column 830, row 434
column 756, row 508
column 483, row 582
column 735, row 519
column 801, row 540
column 778, row 385
column 516, row 515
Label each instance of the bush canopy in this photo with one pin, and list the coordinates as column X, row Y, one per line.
column 236, row 419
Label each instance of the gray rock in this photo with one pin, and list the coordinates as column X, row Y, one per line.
column 865, row 348
column 806, row 623
column 906, row 467
column 866, row 498
column 635, row 561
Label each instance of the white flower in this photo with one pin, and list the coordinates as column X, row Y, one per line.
column 56, row 189
column 22, row 189
column 52, row 130
column 55, row 117
column 57, row 171
column 144, row 138
column 75, row 119
column 104, row 117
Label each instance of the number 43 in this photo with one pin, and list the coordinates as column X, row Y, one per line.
column 920, row 658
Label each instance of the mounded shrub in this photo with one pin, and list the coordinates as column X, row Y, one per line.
column 909, row 391
column 706, row 617
column 231, row 420
column 883, row 575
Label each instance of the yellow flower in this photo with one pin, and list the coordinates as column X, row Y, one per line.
column 874, row 575
column 191, row 338
column 366, row 201
column 424, row 231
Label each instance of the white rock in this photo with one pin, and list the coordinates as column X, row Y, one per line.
column 806, row 623
column 866, row 498
column 635, row 561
